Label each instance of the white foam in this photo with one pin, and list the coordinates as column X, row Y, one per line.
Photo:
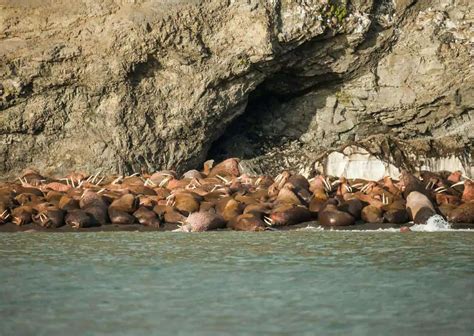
column 433, row 224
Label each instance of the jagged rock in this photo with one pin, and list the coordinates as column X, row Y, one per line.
column 125, row 85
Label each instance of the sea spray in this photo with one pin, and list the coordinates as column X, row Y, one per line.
column 433, row 224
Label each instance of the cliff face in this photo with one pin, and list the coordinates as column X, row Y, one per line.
column 129, row 85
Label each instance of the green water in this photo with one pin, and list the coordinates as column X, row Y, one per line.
column 291, row 283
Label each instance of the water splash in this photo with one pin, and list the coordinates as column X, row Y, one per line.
column 433, row 224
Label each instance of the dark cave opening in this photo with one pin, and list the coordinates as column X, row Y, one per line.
column 245, row 136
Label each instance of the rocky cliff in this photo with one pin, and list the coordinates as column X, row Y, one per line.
column 130, row 85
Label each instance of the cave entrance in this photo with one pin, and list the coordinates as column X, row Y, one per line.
column 248, row 135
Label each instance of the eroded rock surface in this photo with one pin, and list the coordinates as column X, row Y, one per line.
column 129, row 85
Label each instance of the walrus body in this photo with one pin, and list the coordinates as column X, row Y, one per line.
column 463, row 213
column 77, row 218
column 247, row 222
column 203, row 221
column 331, row 216
column 419, row 207
column 372, row 214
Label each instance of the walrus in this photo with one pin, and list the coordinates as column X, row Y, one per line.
column 50, row 218
column 169, row 214
column 22, row 215
column 396, row 216
column 94, row 205
column 419, row 207
column 463, row 213
column 287, row 195
column 446, row 209
column 185, row 202
column 353, row 207
column 229, row 208
column 54, row 196
column 4, row 214
column 246, row 222
column 147, row 217
column 206, row 206
column 331, row 216
column 229, row 167
column 245, row 199
column 298, row 182
column 68, row 203
column 27, row 198
column 468, row 193
column 193, row 173
column 28, row 190
column 257, row 210
column 127, row 203
column 291, row 216
column 120, row 217
column 411, row 183
column 77, row 218
column 203, row 221
column 372, row 214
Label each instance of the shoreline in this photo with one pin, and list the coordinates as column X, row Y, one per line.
column 12, row 228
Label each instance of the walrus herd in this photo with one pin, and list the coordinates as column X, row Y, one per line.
column 221, row 197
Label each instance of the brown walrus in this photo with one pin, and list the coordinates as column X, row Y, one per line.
column 372, row 214
column 419, row 207
column 22, row 215
column 229, row 167
column 51, row 217
column 396, row 216
column 468, row 193
column 127, row 203
column 229, row 208
column 120, row 217
column 77, row 218
column 146, row 217
column 95, row 206
column 291, row 216
column 353, row 207
column 68, row 203
column 463, row 213
column 246, row 222
column 331, row 216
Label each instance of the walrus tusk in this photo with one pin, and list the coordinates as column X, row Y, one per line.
column 456, row 184
column 166, row 180
column 95, row 176
column 118, row 179
column 222, row 179
column 257, row 182
column 278, row 178
column 134, row 174
column 365, row 187
column 357, row 185
column 101, row 190
column 268, row 220
column 100, row 181
column 150, row 182
column 327, row 185
column 335, row 182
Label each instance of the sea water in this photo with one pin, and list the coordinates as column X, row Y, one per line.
column 231, row 283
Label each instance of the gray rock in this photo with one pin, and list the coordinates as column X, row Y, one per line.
column 157, row 84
